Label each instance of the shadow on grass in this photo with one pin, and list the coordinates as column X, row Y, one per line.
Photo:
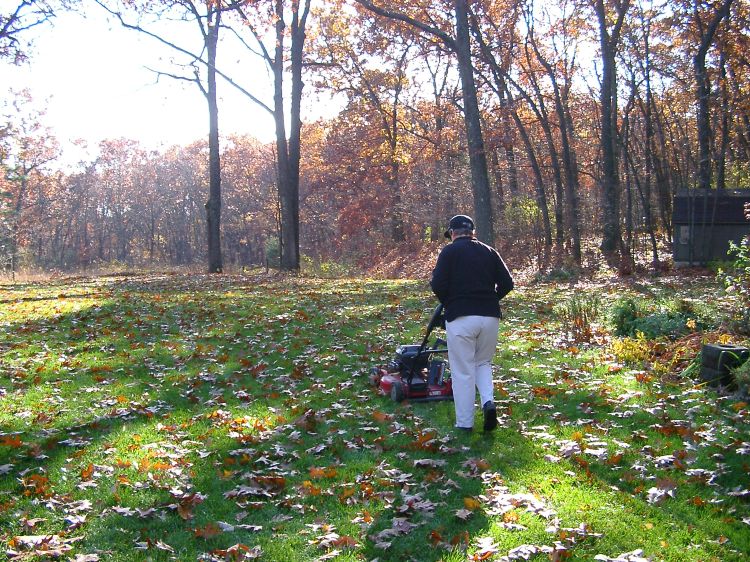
column 266, row 399
column 93, row 436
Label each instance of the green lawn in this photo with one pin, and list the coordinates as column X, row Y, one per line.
column 217, row 418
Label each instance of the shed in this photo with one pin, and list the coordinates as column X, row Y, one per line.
column 704, row 221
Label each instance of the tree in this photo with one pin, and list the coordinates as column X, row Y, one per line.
column 460, row 44
column 207, row 15
column 26, row 146
column 500, row 70
column 703, row 87
column 354, row 62
column 611, row 18
column 18, row 18
column 288, row 150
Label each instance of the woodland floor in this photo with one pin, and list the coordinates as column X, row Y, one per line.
column 193, row 417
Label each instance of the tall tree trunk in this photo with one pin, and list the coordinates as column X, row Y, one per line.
column 721, row 165
column 299, row 22
column 702, row 93
column 213, row 206
column 611, row 244
column 288, row 188
column 477, row 157
column 650, row 153
column 499, row 183
column 541, row 195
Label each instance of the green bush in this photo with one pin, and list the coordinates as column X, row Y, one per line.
column 742, row 377
column 624, row 314
column 736, row 280
column 671, row 319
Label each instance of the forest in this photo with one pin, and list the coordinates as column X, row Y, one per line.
column 565, row 128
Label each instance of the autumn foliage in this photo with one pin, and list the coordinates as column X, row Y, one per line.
column 387, row 170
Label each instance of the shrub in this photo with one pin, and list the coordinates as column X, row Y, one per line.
column 736, row 280
column 324, row 269
column 742, row 377
column 631, row 351
column 623, row 314
column 671, row 319
column 578, row 315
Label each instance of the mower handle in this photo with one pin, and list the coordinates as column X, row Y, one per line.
column 435, row 320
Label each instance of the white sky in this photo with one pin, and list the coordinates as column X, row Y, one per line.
column 90, row 74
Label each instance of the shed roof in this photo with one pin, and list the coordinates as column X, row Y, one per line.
column 700, row 206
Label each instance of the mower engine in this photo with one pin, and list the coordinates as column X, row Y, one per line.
column 417, row 372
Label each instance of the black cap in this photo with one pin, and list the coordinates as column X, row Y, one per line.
column 459, row 222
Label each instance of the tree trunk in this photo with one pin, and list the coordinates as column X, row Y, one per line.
column 475, row 141
column 541, row 195
column 213, row 205
column 650, row 156
column 288, row 187
column 702, row 93
column 611, row 244
column 291, row 260
column 721, row 166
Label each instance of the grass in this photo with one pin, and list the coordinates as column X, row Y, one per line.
column 181, row 417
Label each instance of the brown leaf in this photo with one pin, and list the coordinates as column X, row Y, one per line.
column 464, row 514
column 210, row 531
column 381, row 416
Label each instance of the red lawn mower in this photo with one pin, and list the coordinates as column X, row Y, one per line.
column 417, row 373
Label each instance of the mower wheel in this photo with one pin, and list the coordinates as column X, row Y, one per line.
column 397, row 392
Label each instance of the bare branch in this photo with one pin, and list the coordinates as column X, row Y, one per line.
column 196, row 58
column 398, row 16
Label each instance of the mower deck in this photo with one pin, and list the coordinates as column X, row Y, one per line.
column 417, row 373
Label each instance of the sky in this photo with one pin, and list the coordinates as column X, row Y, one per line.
column 90, row 75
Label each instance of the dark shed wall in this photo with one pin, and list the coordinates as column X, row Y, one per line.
column 705, row 222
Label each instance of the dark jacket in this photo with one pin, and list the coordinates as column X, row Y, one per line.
column 470, row 278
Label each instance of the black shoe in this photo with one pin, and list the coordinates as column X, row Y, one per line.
column 464, row 429
column 490, row 415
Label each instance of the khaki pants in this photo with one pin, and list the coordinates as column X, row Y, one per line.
column 472, row 341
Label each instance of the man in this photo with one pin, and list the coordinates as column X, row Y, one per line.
column 469, row 279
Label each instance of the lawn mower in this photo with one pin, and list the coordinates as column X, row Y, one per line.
column 417, row 373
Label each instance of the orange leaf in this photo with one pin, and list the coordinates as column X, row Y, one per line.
column 511, row 517
column 10, row 441
column 347, row 493
column 381, row 416
column 345, row 542
column 316, row 472
column 185, row 510
column 87, row 472
column 310, row 489
column 461, row 538
column 614, row 459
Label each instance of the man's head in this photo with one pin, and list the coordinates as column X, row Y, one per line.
column 460, row 225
